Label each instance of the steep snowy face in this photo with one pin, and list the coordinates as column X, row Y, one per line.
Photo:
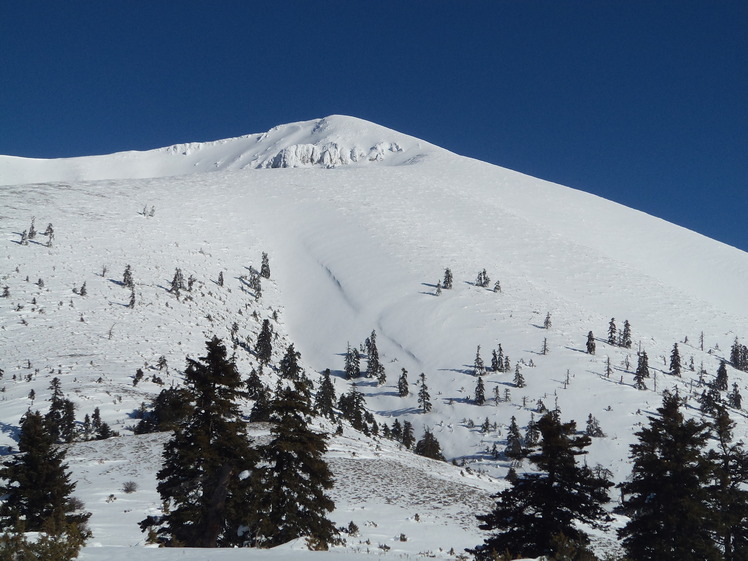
column 330, row 142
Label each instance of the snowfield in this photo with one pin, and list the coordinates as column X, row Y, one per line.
column 359, row 223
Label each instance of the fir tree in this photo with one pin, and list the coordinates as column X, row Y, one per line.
column 593, row 428
column 289, row 365
column 675, row 366
column 447, row 284
column 532, row 434
column 408, row 438
column 721, row 382
column 131, row 304
column 60, row 419
column 429, row 446
column 514, row 449
column 265, row 267
column 483, row 280
column 612, row 332
column 170, row 408
column 734, row 399
column 264, row 346
column 127, row 277
column 37, row 485
column 292, row 480
column 177, row 282
column 666, row 497
column 480, row 392
column 496, row 365
column 424, row 398
column 325, row 400
column 254, row 384
column 729, row 497
column 220, row 278
column 352, row 363
column 374, row 368
column 32, row 229
column 519, row 379
column 590, row 343
column 626, row 336
column 402, row 384
column 479, row 368
column 539, row 509
column 201, row 482
column 739, row 356
column 353, row 408
column 547, row 322
column 438, row 291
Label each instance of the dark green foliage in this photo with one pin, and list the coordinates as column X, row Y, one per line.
column 265, row 267
column 254, row 384
column 483, row 280
column 478, row 367
column 264, row 346
column 408, row 438
column 289, row 365
column 590, row 343
column 60, row 419
column 169, row 409
column 292, row 479
column 538, row 508
column 352, row 363
column 519, row 379
column 709, row 400
column 593, row 428
column 325, row 400
column 429, row 447
column 177, row 282
column 480, row 392
column 127, row 277
column 514, row 449
column 402, row 384
column 734, row 399
column 626, row 335
column 612, row 332
column 374, row 368
column 729, row 495
column 424, row 398
column 666, row 497
column 37, row 485
column 642, row 371
column 739, row 356
column 447, row 284
column 201, row 481
column 720, row 382
column 261, row 409
column 675, row 364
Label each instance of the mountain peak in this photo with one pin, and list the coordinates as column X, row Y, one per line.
column 332, row 141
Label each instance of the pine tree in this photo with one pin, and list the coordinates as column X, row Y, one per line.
column 60, row 419
column 177, row 282
column 264, row 346
column 675, row 366
column 590, row 343
column 265, row 267
column 479, row 368
column 289, row 365
column 547, row 322
column 447, row 284
column 201, row 482
column 292, row 480
column 721, row 382
column 739, row 356
column 593, row 428
column 168, row 410
column 127, row 277
column 734, row 399
column 220, row 278
column 352, row 363
column 37, row 485
column 519, row 379
column 353, row 408
column 424, row 399
column 429, row 446
column 374, row 368
column 626, row 337
column 402, row 384
column 729, row 497
column 131, row 304
column 541, row 509
column 325, row 399
column 612, row 332
column 666, row 497
column 514, row 449
column 495, row 364
column 408, row 439
column 480, row 392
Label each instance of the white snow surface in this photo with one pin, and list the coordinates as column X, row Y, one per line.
column 359, row 226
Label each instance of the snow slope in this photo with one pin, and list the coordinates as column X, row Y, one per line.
column 359, row 224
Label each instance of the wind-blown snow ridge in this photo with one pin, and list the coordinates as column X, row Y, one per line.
column 330, row 142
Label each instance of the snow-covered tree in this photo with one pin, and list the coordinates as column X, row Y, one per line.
column 402, row 384
column 447, row 284
column 590, row 343
column 424, row 399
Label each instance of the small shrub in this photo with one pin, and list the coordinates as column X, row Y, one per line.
column 129, row 487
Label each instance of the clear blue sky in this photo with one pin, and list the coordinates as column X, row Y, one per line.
column 644, row 102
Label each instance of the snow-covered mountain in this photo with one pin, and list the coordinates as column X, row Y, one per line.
column 359, row 223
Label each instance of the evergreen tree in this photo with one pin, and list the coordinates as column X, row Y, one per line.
column 480, row 392
column 720, row 382
column 220, row 278
column 447, row 284
column 127, row 277
column 514, row 449
column 424, row 398
column 547, row 322
column 541, row 509
column 729, row 495
column 519, row 379
column 408, row 438
column 590, row 343
column 675, row 366
column 429, row 446
column 292, row 479
column 254, row 384
column 37, row 486
column 264, row 346
column 169, row 409
column 479, row 368
column 265, row 267
column 532, row 434
column 593, row 428
column 626, row 337
column 734, row 399
column 325, row 399
column 402, row 384
column 202, row 482
column 177, row 282
column 739, row 356
column 60, row 419
column 352, row 363
column 496, row 365
column 353, row 408
column 374, row 368
column 483, row 280
column 397, row 430
column 666, row 497
column 289, row 365
column 612, row 332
